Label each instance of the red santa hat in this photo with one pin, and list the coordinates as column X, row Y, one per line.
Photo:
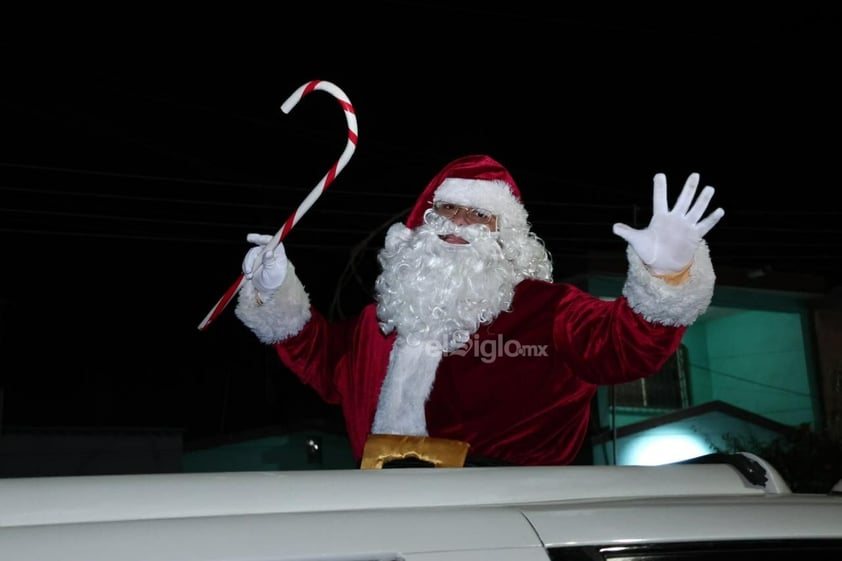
column 476, row 181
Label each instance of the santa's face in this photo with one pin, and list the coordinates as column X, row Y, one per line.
column 442, row 280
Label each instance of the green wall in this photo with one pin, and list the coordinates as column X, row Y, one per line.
column 756, row 360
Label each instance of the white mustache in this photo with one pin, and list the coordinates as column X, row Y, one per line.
column 470, row 233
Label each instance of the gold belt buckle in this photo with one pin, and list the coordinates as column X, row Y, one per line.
column 441, row 452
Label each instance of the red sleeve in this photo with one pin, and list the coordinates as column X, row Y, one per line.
column 313, row 353
column 608, row 341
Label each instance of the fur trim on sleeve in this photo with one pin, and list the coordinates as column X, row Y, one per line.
column 281, row 315
column 659, row 302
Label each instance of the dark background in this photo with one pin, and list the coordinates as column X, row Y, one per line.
column 139, row 148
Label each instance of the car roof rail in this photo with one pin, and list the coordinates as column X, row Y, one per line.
column 754, row 469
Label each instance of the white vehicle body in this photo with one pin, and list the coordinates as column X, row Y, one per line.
column 683, row 511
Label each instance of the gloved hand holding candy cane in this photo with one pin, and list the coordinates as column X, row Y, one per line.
column 268, row 277
column 668, row 243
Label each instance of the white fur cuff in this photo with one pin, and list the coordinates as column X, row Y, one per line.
column 674, row 305
column 279, row 316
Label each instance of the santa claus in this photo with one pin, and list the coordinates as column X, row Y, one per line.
column 469, row 339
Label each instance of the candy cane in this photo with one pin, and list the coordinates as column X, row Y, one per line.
column 320, row 187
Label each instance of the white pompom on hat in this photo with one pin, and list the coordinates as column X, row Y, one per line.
column 476, row 181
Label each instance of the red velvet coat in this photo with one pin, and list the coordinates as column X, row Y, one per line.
column 521, row 392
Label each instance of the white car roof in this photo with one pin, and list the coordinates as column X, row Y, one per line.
column 60, row 500
column 464, row 514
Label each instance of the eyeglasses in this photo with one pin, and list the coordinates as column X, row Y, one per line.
column 472, row 215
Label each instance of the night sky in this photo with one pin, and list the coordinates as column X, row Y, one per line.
column 139, row 149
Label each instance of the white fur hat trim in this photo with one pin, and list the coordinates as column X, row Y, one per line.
column 494, row 196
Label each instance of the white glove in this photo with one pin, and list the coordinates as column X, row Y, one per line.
column 266, row 272
column 668, row 244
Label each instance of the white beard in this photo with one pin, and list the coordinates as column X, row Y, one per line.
column 435, row 295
